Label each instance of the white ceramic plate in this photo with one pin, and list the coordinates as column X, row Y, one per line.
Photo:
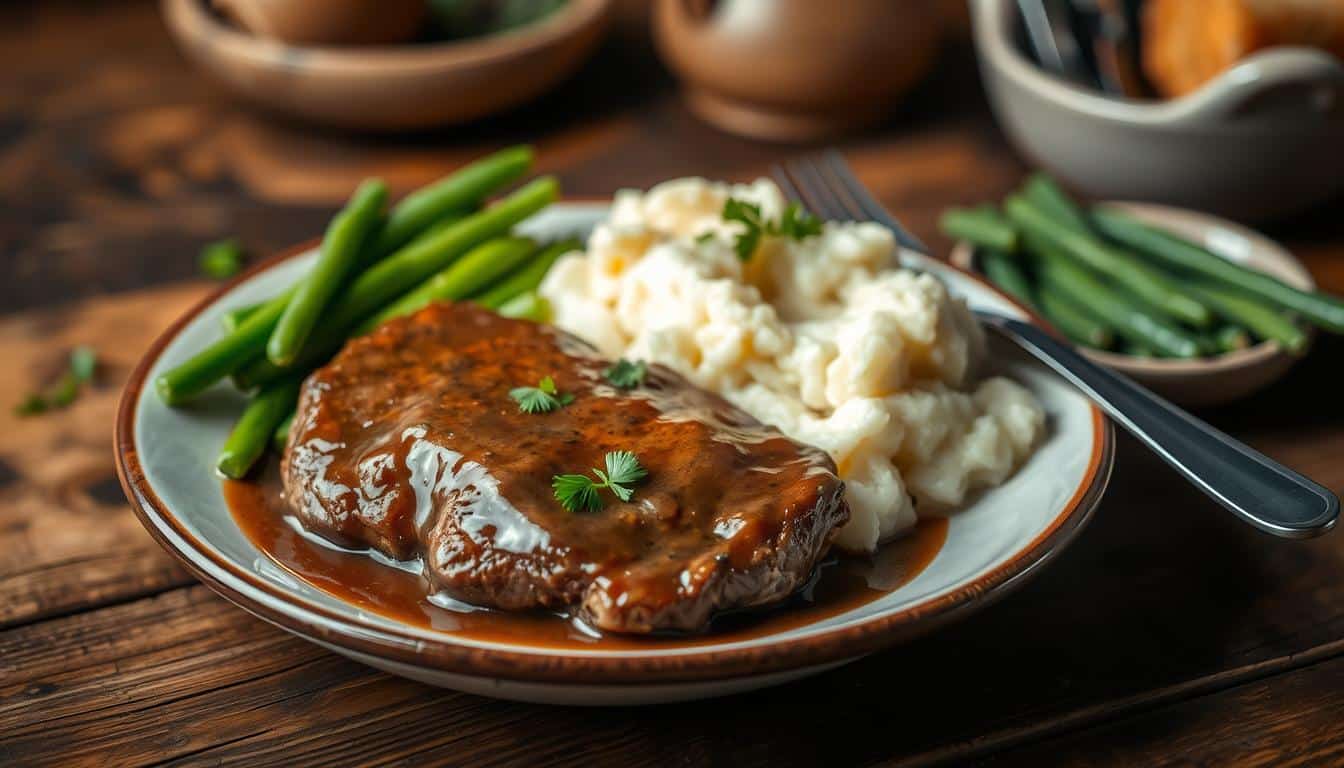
column 165, row 456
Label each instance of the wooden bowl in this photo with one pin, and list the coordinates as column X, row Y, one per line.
column 1206, row 381
column 334, row 22
column 789, row 70
column 390, row 88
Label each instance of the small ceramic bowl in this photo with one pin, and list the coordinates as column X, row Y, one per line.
column 1258, row 141
column 1208, row 381
column 781, row 71
column 390, row 88
column 334, row 22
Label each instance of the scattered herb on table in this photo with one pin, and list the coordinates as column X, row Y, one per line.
column 624, row 374
column 83, row 364
column 795, row 224
column 580, row 492
column 222, row 259
column 542, row 398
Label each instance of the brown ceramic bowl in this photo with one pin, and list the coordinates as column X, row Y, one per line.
column 390, row 88
column 1215, row 380
column 333, row 22
column 793, row 70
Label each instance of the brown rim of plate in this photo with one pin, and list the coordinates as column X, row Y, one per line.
column 405, row 57
column 549, row 665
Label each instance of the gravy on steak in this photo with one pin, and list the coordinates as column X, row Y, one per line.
column 841, row 584
column 408, row 444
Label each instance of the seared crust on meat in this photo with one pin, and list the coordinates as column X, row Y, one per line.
column 408, row 443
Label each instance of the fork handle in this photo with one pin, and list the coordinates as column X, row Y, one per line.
column 1258, row 489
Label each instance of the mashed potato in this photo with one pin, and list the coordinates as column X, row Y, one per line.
column 826, row 339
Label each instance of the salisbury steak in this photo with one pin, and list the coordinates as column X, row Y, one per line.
column 408, row 442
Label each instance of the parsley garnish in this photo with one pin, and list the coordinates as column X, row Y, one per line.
column 625, row 374
column 83, row 364
column 542, row 398
column 221, row 260
column 579, row 492
column 796, row 224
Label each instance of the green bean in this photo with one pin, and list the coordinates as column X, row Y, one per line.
column 233, row 318
column 1173, row 252
column 256, row 427
column 239, row 347
column 1004, row 272
column 477, row 269
column 281, row 436
column 527, row 306
column 402, row 271
column 246, row 344
column 1262, row 320
column 456, row 192
column 345, row 237
column 221, row 358
column 1045, row 194
column 1145, row 282
column 1231, row 338
column 983, row 227
column 1073, row 321
column 526, row 278
column 1138, row 350
column 221, row 260
column 1060, row 273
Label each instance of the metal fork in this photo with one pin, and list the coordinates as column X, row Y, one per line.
column 1253, row 486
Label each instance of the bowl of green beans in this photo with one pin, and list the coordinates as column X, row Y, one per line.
column 1196, row 308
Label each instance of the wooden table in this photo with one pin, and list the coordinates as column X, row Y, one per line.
column 1168, row 633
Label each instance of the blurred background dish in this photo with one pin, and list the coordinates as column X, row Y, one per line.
column 383, row 88
column 1257, row 141
column 336, row 22
column 779, row 70
column 1207, row 381
column 1187, row 44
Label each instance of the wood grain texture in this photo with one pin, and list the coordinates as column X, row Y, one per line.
column 1125, row 621
column 1290, row 719
column 1168, row 633
column 68, row 540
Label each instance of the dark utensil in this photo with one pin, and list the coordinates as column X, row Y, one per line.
column 1091, row 43
column 1055, row 34
column 1115, row 36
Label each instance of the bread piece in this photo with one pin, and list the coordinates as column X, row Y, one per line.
column 1186, row 43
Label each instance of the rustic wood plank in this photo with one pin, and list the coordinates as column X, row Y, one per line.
column 1169, row 632
column 150, row 679
column 118, row 162
column 184, row 676
column 68, row 539
column 1285, row 720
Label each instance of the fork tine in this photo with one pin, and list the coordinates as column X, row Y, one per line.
column 799, row 190
column 854, row 189
column 822, row 198
column 840, row 187
column 786, row 184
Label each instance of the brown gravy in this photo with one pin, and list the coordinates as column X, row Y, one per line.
column 841, row 583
